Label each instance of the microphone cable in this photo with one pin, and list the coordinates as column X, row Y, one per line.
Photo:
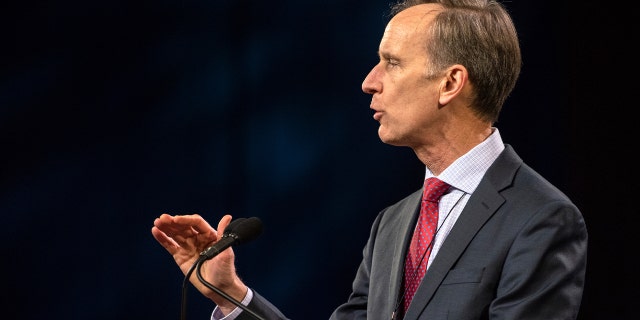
column 401, row 297
column 247, row 230
column 222, row 293
column 185, row 282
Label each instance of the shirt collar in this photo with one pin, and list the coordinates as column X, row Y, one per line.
column 466, row 172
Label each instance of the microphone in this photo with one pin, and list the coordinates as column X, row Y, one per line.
column 239, row 231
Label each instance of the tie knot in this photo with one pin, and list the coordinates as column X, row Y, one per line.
column 434, row 188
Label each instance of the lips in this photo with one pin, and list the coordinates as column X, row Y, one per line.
column 377, row 115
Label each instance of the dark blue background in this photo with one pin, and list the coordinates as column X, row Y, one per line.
column 113, row 112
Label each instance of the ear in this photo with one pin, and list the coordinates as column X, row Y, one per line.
column 455, row 79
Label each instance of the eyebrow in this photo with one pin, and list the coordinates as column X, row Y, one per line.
column 386, row 55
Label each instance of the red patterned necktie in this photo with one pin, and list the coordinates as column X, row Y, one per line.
column 415, row 265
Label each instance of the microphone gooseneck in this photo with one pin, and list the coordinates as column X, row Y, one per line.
column 239, row 231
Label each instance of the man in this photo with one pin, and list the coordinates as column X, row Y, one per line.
column 507, row 243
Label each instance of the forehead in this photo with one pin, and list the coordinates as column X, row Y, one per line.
column 409, row 26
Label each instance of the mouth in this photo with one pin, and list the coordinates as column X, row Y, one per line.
column 377, row 115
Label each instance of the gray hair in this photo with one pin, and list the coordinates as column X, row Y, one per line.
column 480, row 35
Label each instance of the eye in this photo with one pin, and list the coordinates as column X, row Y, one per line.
column 389, row 61
column 392, row 63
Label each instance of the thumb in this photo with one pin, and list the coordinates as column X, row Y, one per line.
column 223, row 224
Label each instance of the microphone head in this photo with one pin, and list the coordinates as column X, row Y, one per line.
column 245, row 230
column 233, row 225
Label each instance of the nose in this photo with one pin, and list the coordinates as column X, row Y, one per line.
column 371, row 83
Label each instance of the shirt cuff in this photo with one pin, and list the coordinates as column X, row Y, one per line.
column 217, row 314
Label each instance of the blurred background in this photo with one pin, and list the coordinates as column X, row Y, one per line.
column 114, row 112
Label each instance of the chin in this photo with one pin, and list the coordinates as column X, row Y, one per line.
column 389, row 140
column 389, row 137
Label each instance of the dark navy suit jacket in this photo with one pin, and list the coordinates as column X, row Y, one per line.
column 518, row 251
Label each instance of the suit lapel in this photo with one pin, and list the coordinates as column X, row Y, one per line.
column 408, row 217
column 482, row 204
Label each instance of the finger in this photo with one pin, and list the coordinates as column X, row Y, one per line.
column 166, row 224
column 182, row 227
column 164, row 240
column 174, row 232
column 196, row 223
column 224, row 223
column 163, row 219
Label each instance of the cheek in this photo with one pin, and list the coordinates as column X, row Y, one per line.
column 418, row 110
column 410, row 96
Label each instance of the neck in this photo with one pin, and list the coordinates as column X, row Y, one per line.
column 450, row 146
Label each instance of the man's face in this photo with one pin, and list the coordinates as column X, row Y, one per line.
column 404, row 100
